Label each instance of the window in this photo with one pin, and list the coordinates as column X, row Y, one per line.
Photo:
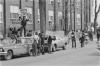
column 29, row 12
column 60, row 2
column 14, row 13
column 50, row 15
column 1, row 13
column 51, row 2
column 78, row 19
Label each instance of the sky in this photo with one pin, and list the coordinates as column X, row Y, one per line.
column 98, row 2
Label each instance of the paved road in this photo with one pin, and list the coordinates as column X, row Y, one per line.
column 87, row 56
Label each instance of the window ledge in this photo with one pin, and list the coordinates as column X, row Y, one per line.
column 1, row 22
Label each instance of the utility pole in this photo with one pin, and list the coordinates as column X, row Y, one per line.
column 4, row 18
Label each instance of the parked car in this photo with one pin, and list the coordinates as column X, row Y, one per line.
column 58, row 42
column 10, row 48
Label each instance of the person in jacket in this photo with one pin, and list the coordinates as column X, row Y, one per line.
column 36, row 39
column 29, row 34
column 23, row 24
column 39, row 45
column 73, row 39
column 34, row 47
column 49, row 44
column 98, row 34
column 42, row 43
column 82, row 39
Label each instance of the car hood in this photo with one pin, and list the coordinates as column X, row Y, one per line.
column 3, row 44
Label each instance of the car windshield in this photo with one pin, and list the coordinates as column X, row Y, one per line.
column 8, row 41
column 25, row 40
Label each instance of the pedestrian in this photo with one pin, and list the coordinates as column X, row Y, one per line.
column 82, row 39
column 36, row 39
column 50, row 44
column 91, row 35
column 34, row 47
column 10, row 32
column 23, row 24
column 98, row 34
column 69, row 37
column 42, row 44
column 29, row 34
column 73, row 39
column 39, row 45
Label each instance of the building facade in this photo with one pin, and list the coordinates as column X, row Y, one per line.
column 9, row 14
column 12, row 14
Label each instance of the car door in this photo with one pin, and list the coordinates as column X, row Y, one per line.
column 20, row 48
column 23, row 46
column 58, row 42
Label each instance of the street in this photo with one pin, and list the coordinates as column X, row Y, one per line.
column 87, row 56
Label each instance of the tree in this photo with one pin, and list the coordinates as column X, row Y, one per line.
column 42, row 7
column 68, row 7
column 96, row 15
column 55, row 15
column 65, row 15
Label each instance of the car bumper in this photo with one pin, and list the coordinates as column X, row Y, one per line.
column 3, row 53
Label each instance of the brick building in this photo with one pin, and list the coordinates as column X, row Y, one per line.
column 12, row 13
column 9, row 13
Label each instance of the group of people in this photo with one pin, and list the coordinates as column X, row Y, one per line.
column 81, row 36
column 13, row 31
column 38, row 44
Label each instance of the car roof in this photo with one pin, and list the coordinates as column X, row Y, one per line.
column 24, row 37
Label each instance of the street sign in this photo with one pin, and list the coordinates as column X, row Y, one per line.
column 23, row 12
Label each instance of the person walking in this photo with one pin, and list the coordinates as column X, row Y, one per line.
column 36, row 39
column 49, row 44
column 98, row 34
column 34, row 47
column 42, row 44
column 23, row 24
column 73, row 39
column 39, row 45
column 82, row 39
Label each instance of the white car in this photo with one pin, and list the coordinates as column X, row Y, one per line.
column 59, row 42
column 10, row 48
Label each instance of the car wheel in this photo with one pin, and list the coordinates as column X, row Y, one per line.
column 64, row 47
column 9, row 55
column 54, row 48
column 30, row 53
